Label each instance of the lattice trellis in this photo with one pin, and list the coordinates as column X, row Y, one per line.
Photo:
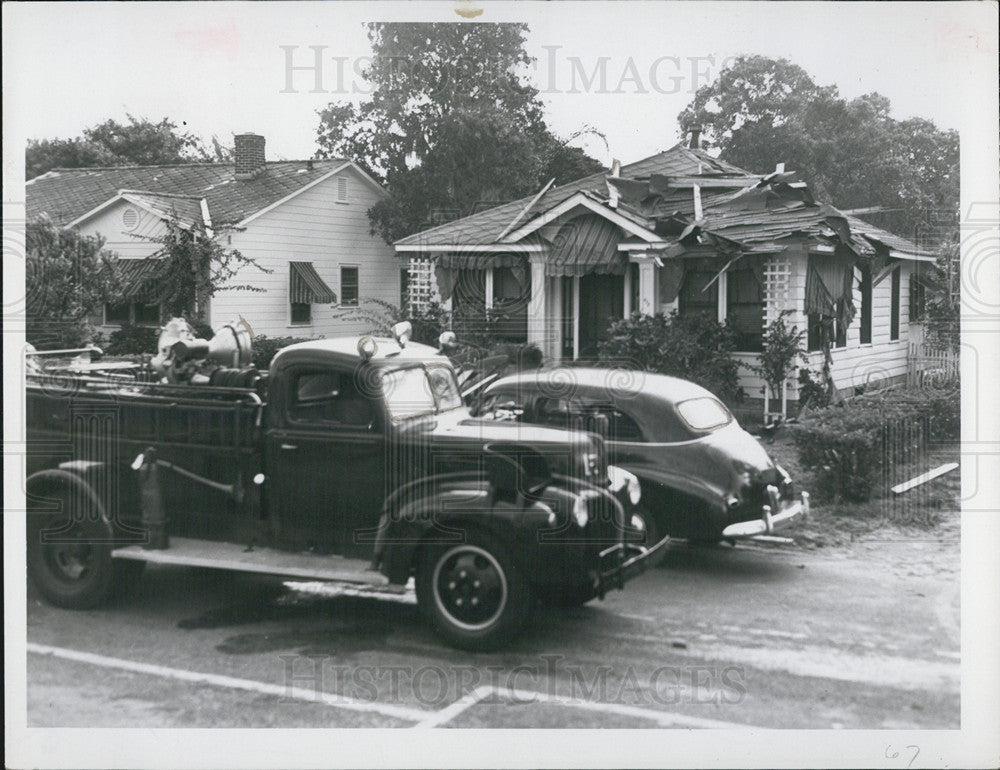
column 777, row 279
column 422, row 288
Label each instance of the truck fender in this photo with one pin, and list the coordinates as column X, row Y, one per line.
column 427, row 508
column 40, row 483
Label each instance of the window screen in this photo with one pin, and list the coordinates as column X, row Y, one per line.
column 349, row 286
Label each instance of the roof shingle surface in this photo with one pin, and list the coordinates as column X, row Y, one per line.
column 67, row 194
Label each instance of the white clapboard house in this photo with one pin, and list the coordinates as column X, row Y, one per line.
column 306, row 221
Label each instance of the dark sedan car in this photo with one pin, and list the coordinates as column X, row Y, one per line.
column 703, row 477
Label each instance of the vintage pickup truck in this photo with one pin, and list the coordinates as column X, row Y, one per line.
column 349, row 460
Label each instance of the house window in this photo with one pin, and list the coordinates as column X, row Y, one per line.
column 305, row 287
column 404, row 288
column 745, row 309
column 117, row 314
column 814, row 337
column 694, row 298
column 342, row 189
column 146, row 315
column 349, row 286
column 301, row 313
column 135, row 313
column 894, row 305
column 918, row 299
column 839, row 328
column 866, row 304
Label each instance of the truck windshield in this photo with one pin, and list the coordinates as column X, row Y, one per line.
column 419, row 390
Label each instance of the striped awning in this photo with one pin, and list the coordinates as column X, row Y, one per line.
column 306, row 286
column 586, row 244
column 138, row 278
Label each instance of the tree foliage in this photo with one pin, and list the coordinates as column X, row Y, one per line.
column 694, row 348
column 451, row 124
column 138, row 142
column 68, row 278
column 854, row 154
column 782, row 349
column 190, row 267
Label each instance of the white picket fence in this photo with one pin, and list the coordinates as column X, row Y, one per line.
column 927, row 365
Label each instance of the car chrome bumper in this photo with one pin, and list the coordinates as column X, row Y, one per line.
column 628, row 561
column 769, row 520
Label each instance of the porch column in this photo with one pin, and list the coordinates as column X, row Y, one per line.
column 537, row 307
column 647, row 283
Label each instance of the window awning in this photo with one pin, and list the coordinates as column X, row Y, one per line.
column 306, row 285
column 586, row 244
column 137, row 278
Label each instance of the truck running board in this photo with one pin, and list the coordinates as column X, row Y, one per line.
column 268, row 561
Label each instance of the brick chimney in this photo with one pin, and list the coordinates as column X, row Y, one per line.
column 695, row 143
column 249, row 156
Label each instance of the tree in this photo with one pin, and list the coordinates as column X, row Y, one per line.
column 451, row 124
column 762, row 111
column 190, row 267
column 68, row 277
column 139, row 142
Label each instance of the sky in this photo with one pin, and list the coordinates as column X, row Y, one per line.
column 222, row 68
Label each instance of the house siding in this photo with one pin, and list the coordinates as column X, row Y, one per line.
column 312, row 227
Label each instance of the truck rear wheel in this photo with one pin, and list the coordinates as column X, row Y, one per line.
column 69, row 556
column 473, row 593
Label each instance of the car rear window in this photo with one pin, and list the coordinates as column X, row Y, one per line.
column 704, row 414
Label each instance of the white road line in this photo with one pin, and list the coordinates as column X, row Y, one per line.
column 663, row 718
column 448, row 713
column 217, row 680
column 421, row 717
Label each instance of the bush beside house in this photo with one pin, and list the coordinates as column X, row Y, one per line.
column 694, row 348
column 847, row 446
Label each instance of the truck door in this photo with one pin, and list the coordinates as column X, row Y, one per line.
column 326, row 463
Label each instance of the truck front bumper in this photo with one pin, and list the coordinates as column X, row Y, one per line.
column 624, row 561
column 774, row 516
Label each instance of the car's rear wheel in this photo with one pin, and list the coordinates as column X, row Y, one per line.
column 473, row 593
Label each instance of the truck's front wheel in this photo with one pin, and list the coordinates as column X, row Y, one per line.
column 473, row 592
column 69, row 555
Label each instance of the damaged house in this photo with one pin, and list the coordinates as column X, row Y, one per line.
column 680, row 231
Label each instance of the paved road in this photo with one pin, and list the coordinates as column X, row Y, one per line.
column 762, row 636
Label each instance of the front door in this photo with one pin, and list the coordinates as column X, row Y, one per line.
column 602, row 300
column 326, row 464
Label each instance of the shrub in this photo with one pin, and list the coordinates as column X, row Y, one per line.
column 133, row 340
column 264, row 348
column 380, row 316
column 845, row 446
column 812, row 392
column 695, row 348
